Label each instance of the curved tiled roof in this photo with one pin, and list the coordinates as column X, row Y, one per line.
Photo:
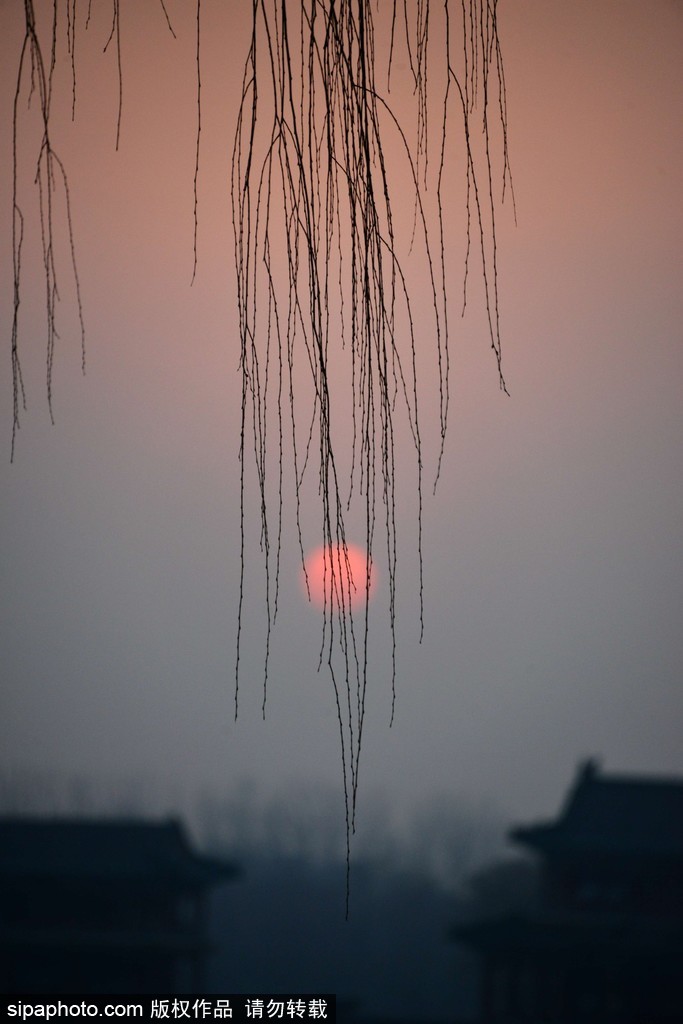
column 614, row 814
column 63, row 848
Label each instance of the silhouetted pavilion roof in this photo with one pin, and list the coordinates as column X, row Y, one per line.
column 66, row 848
column 613, row 814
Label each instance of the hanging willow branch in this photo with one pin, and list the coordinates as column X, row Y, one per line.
column 50, row 178
column 310, row 185
column 325, row 304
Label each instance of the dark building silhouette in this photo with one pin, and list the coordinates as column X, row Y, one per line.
column 102, row 906
column 605, row 941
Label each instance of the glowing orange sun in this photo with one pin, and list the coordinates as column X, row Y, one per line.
column 338, row 578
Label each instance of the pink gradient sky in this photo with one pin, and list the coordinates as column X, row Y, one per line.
column 553, row 545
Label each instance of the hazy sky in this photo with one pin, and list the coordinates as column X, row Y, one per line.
column 553, row 547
